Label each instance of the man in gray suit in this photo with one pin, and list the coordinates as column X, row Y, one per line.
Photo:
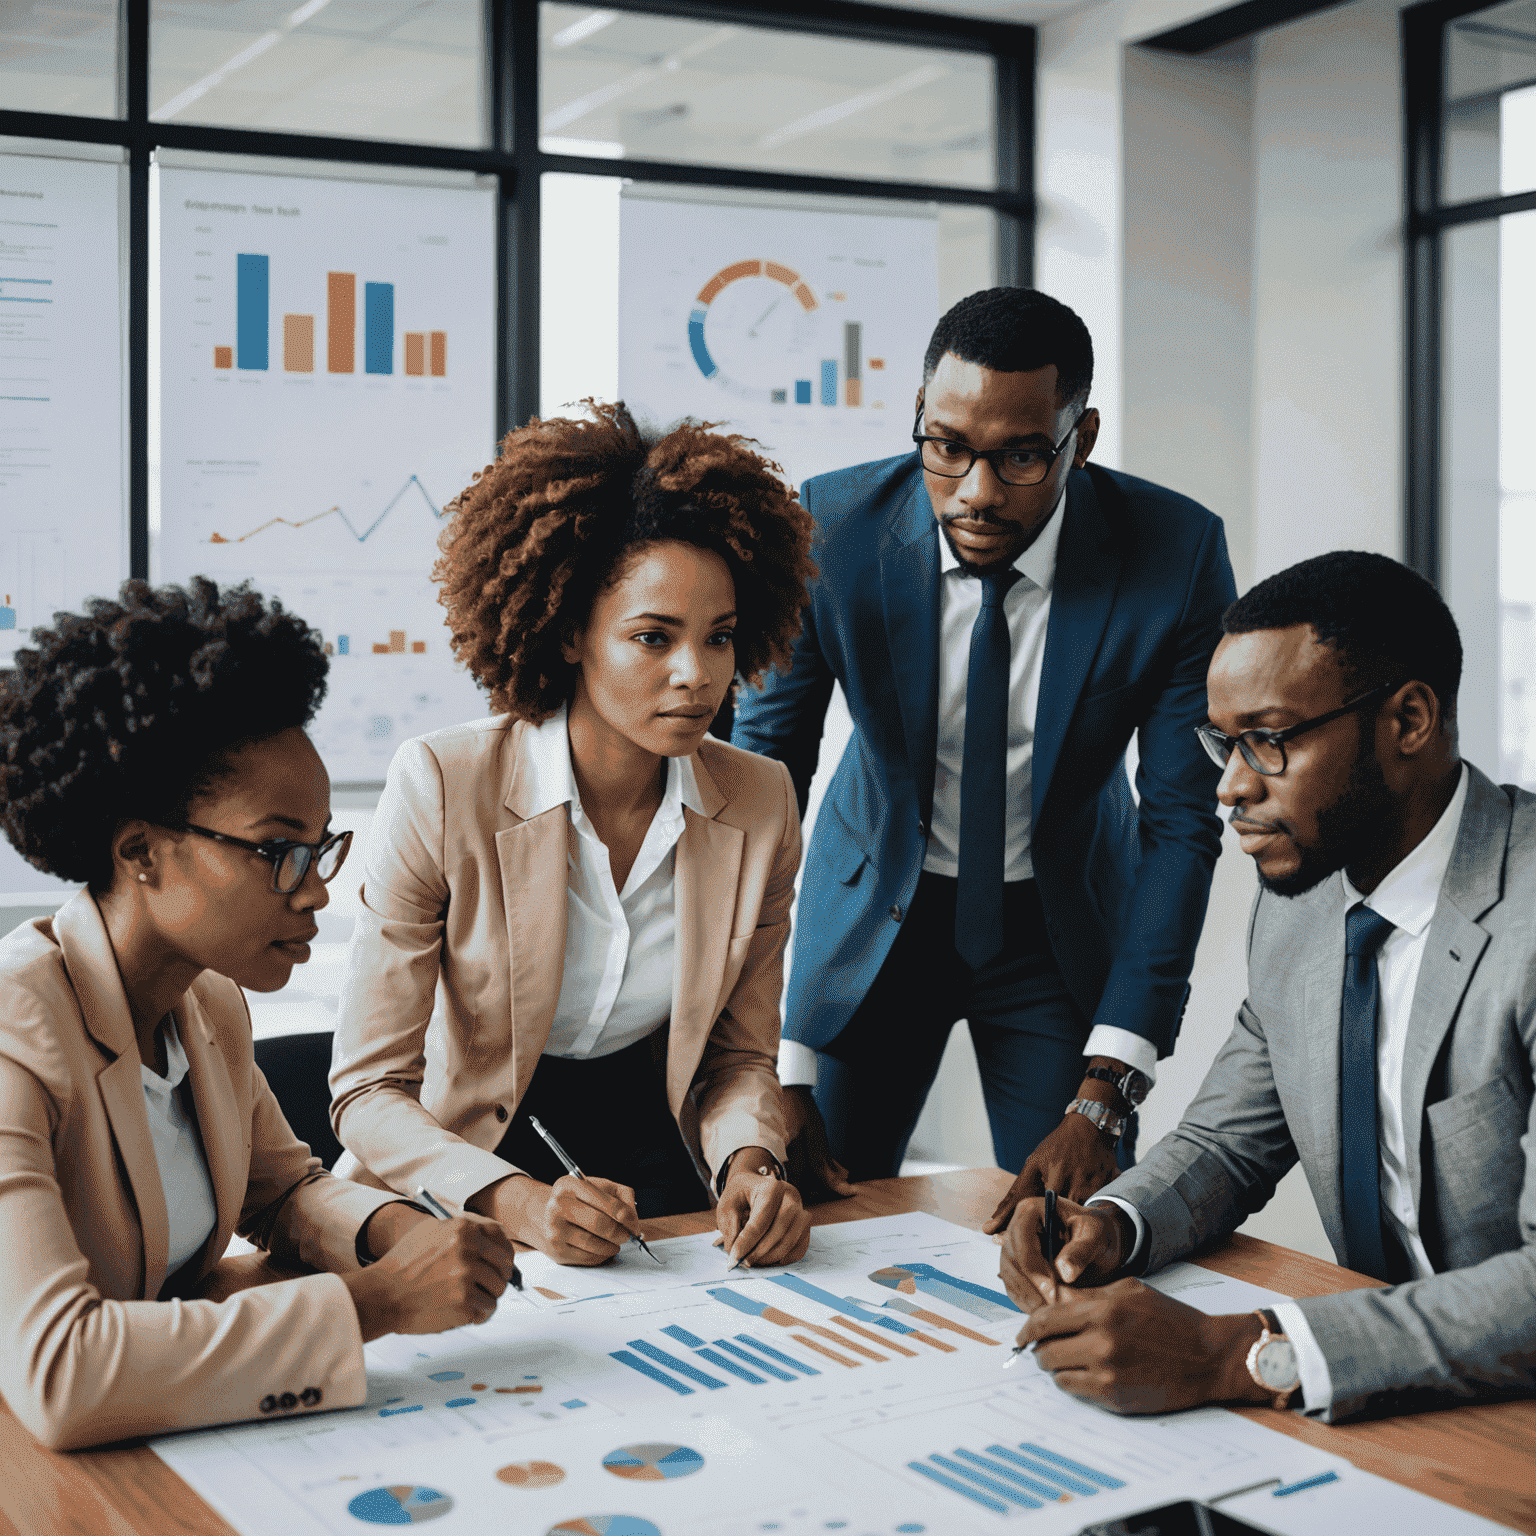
column 1388, row 1041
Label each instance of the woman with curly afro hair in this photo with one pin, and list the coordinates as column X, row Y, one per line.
column 593, row 890
column 153, row 748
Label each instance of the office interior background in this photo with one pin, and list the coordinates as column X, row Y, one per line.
column 274, row 279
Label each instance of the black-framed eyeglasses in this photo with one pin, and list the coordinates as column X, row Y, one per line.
column 1013, row 466
column 1264, row 751
column 290, row 861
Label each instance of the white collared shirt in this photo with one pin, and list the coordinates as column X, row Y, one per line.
column 1027, row 607
column 616, row 987
column 1407, row 898
column 190, row 1208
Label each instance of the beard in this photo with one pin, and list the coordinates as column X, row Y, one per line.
column 969, row 563
column 1346, row 831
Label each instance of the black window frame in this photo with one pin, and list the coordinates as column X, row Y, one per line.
column 1428, row 217
column 512, row 155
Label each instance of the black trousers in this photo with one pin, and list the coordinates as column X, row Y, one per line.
column 610, row 1114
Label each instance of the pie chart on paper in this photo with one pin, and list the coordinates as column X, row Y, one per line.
column 654, row 1461
column 400, row 1504
column 605, row 1525
column 531, row 1474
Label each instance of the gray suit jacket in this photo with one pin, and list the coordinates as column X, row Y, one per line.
column 1272, row 1096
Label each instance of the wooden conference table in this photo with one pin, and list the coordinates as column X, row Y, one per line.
column 1482, row 1458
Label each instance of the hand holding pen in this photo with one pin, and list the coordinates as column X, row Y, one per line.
column 625, row 1215
column 1048, row 1250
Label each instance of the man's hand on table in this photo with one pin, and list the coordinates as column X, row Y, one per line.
column 809, row 1161
column 574, row 1221
column 761, row 1218
column 1118, row 1343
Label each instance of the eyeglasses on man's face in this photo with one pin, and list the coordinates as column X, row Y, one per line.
column 290, row 861
column 1264, row 751
column 1013, row 466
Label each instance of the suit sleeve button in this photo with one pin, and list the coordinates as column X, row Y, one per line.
column 287, row 1401
column 896, row 914
column 310, row 1397
column 501, row 1112
column 268, row 1403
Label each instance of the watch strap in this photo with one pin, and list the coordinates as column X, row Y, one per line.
column 1101, row 1115
column 772, row 1169
column 1271, row 1334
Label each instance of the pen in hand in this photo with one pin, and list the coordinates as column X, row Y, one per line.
column 576, row 1173
column 1048, row 1248
column 441, row 1211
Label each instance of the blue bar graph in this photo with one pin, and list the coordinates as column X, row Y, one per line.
column 829, row 381
column 991, row 1484
column 1003, row 1470
column 1030, row 1476
column 847, row 1305
column 715, row 1358
column 802, row 391
column 378, row 327
column 251, row 284
column 343, row 644
column 956, row 1486
column 692, row 1340
column 635, row 1363
column 1103, row 1479
column 672, row 1363
column 753, row 1361
column 777, row 1354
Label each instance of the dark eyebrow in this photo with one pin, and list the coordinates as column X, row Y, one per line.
column 288, row 821
column 1018, row 440
column 1252, row 716
column 667, row 618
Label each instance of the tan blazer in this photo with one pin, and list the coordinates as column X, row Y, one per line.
column 464, row 897
column 87, row 1353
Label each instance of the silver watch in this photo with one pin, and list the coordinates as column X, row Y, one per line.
column 1100, row 1114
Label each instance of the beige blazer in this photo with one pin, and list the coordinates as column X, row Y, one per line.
column 87, row 1352
column 464, row 900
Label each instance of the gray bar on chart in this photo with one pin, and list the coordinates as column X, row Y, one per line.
column 853, row 348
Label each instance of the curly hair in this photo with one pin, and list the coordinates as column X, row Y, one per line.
column 132, row 709
column 537, row 535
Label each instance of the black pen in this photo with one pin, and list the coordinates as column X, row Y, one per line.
column 1048, row 1247
column 441, row 1211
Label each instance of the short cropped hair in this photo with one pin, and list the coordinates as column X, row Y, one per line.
column 131, row 709
column 1387, row 623
column 1017, row 330
column 537, row 535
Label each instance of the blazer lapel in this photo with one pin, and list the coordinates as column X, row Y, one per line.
column 91, row 964
column 1322, row 984
column 706, row 867
column 909, row 589
column 1082, row 594
column 1473, row 883
column 219, row 1122
column 533, row 857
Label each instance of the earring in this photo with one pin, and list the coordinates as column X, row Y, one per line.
column 143, row 877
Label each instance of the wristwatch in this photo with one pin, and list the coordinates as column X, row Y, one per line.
column 1272, row 1362
column 1100, row 1114
column 1133, row 1087
column 773, row 1170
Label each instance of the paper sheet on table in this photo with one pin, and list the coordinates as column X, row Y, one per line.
column 861, row 1390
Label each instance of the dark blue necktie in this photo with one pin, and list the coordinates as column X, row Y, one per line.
column 1359, row 1146
column 983, row 779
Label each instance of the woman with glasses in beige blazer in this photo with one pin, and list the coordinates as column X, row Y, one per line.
column 594, row 890
column 154, row 749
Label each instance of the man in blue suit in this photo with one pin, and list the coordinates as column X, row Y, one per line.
column 1003, row 619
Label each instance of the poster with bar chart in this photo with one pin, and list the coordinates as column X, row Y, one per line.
column 801, row 327
column 325, row 386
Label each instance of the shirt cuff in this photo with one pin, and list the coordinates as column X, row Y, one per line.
column 1121, row 1045
column 1135, row 1215
column 1311, row 1362
column 797, row 1064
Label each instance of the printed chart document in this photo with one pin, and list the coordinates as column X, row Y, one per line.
column 325, row 387
column 862, row 1391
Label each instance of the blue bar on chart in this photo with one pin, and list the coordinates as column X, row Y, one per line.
column 635, row 1363
column 1103, row 1479
column 378, row 327
column 752, row 1360
column 777, row 1354
column 719, row 1361
column 802, row 391
column 848, row 1305
column 692, row 1340
column 829, row 381
column 672, row 1363
column 343, row 644
column 1030, row 1476
column 251, row 284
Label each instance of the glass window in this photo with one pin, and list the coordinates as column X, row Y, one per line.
column 379, row 69
column 617, row 83
column 59, row 56
column 1490, row 103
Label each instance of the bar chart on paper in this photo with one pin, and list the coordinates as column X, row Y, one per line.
column 326, row 386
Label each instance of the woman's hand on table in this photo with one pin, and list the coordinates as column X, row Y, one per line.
column 574, row 1221
column 761, row 1219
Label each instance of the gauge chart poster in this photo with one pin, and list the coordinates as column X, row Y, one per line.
column 803, row 328
column 62, row 519
column 326, row 386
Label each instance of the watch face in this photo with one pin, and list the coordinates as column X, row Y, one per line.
column 1134, row 1086
column 1276, row 1365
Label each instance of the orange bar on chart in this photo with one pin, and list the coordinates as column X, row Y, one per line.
column 416, row 352
column 397, row 642
column 341, row 322
column 223, row 357
column 439, row 354
column 851, row 391
column 298, row 343
column 418, row 647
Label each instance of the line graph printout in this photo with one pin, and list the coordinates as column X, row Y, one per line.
column 810, row 1398
column 326, row 385
column 801, row 327
column 61, row 392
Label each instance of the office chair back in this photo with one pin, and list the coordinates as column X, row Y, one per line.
column 297, row 1068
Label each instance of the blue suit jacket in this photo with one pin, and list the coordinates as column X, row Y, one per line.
column 1142, row 577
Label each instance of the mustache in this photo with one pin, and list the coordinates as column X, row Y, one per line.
column 1242, row 824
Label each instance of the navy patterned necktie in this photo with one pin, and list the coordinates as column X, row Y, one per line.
column 1359, row 1144
column 983, row 779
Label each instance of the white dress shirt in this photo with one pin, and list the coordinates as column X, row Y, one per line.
column 616, row 987
column 190, row 1208
column 1407, row 898
column 1027, row 607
